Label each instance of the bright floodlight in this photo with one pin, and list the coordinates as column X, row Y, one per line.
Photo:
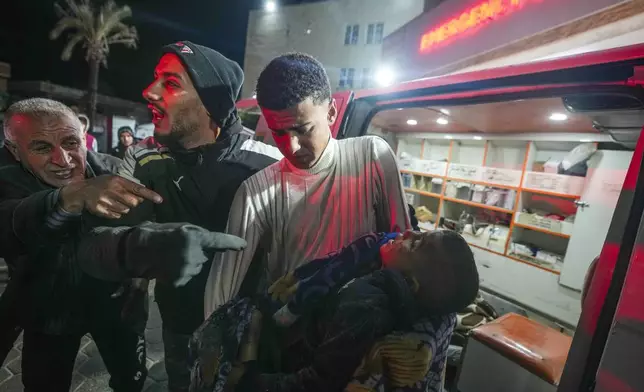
column 385, row 77
column 270, row 6
column 558, row 117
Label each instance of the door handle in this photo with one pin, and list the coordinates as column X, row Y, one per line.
column 582, row 204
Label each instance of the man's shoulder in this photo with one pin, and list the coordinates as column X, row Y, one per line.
column 103, row 163
column 259, row 180
column 10, row 169
column 255, row 154
column 146, row 151
column 370, row 145
column 249, row 157
column 366, row 140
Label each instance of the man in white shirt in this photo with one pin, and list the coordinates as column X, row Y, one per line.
column 321, row 196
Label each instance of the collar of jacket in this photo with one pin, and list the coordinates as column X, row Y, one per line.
column 210, row 152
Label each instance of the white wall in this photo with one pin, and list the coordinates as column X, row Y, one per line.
column 285, row 30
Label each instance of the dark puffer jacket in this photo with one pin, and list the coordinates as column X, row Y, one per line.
column 197, row 187
column 37, row 240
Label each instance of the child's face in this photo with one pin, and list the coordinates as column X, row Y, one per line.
column 401, row 252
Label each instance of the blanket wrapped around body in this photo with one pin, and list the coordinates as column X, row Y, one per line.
column 216, row 345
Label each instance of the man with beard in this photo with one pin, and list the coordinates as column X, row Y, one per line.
column 48, row 295
column 204, row 158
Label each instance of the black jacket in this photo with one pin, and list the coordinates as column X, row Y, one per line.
column 37, row 241
column 198, row 187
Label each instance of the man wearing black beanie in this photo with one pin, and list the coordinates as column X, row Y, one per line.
column 196, row 161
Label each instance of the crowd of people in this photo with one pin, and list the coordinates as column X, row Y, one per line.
column 277, row 269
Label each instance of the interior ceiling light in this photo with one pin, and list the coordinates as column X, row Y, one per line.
column 558, row 117
column 411, row 121
column 445, row 111
column 270, row 6
column 478, row 138
column 448, row 137
column 442, row 121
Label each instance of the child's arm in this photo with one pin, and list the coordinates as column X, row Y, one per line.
column 321, row 276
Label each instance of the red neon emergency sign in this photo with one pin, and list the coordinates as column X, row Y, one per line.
column 475, row 17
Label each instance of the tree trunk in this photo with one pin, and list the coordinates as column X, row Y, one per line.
column 94, row 66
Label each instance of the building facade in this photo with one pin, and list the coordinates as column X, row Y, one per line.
column 345, row 35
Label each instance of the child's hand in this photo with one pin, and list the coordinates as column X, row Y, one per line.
column 284, row 288
column 404, row 360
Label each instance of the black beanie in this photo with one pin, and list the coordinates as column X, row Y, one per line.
column 217, row 79
column 125, row 129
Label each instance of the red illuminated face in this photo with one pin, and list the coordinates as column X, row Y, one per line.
column 397, row 253
column 177, row 112
column 302, row 132
column 53, row 149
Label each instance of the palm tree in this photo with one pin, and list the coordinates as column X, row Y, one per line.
column 96, row 29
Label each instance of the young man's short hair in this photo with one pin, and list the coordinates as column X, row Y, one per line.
column 290, row 79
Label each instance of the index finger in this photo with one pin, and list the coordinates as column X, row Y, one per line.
column 144, row 192
column 221, row 241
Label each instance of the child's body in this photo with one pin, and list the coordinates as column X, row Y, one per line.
column 403, row 283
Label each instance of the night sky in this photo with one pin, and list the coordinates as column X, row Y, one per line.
column 24, row 41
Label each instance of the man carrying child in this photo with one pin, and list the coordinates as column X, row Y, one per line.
column 336, row 311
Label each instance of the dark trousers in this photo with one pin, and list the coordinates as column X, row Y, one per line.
column 9, row 326
column 48, row 360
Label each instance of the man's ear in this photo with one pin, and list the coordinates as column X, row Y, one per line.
column 13, row 149
column 333, row 112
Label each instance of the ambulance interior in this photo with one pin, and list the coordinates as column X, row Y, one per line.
column 532, row 185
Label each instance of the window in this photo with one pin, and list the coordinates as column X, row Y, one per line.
column 380, row 30
column 351, row 35
column 366, row 77
column 351, row 72
column 375, row 32
column 343, row 78
column 347, row 76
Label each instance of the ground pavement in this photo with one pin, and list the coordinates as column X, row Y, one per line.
column 89, row 372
